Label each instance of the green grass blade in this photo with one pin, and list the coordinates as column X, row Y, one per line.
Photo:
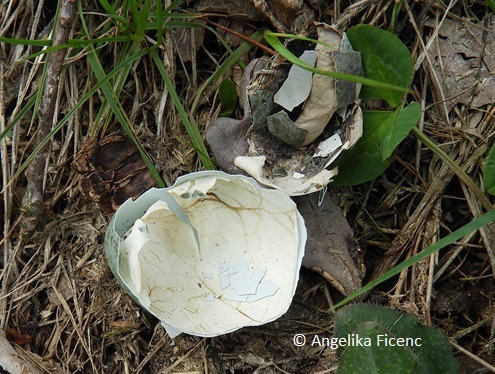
column 112, row 14
column 491, row 4
column 461, row 174
column 297, row 37
column 229, row 61
column 488, row 172
column 189, row 25
column 119, row 113
column 191, row 126
column 119, row 85
column 75, row 43
column 289, row 56
column 127, row 49
column 159, row 23
column 36, row 43
column 140, row 18
column 474, row 225
column 78, row 105
column 18, row 117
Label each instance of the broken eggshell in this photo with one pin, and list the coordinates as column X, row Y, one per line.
column 209, row 255
column 297, row 155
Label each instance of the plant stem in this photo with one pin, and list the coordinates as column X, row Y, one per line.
column 463, row 177
column 32, row 204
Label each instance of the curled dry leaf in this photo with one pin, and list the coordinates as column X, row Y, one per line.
column 17, row 337
column 330, row 244
column 113, row 171
column 227, row 136
column 291, row 141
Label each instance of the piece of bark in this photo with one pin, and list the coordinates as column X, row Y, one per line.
column 330, row 243
column 32, row 204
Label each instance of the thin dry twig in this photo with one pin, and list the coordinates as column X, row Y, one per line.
column 33, row 204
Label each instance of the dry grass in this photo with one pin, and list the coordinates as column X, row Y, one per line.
column 57, row 288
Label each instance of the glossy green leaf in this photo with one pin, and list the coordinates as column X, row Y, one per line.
column 385, row 59
column 364, row 161
column 228, row 97
column 489, row 172
column 403, row 120
column 373, row 153
column 277, row 45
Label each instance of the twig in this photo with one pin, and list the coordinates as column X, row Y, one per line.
column 32, row 204
column 473, row 356
column 244, row 37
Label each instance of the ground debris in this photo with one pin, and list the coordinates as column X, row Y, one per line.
column 463, row 65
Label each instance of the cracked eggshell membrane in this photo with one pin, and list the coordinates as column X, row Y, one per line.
column 209, row 255
column 297, row 156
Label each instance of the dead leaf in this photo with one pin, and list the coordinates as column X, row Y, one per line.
column 226, row 137
column 113, row 171
column 63, row 290
column 464, row 64
column 238, row 9
column 330, row 243
column 189, row 40
column 288, row 16
column 15, row 336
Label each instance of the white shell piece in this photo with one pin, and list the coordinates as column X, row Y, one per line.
column 130, row 248
column 171, row 331
column 224, row 281
column 328, row 146
column 242, row 270
column 208, row 275
column 289, row 184
column 246, row 282
column 265, row 289
column 297, row 175
column 296, row 88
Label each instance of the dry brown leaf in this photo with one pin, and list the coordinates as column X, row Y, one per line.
column 330, row 243
column 113, row 171
column 464, row 64
column 62, row 290
column 17, row 337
